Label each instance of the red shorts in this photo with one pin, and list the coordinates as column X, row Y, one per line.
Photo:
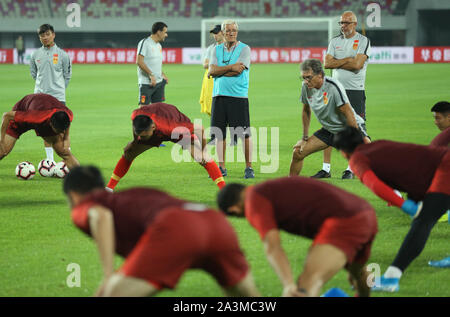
column 181, row 239
column 353, row 235
column 17, row 129
column 441, row 179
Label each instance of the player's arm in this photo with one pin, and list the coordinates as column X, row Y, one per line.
column 227, row 70
column 332, row 63
column 101, row 224
column 33, row 67
column 165, row 77
column 140, row 62
column 355, row 63
column 66, row 139
column 279, row 262
column 306, row 120
column 67, row 69
column 346, row 110
column 206, row 63
column 6, row 118
column 385, row 192
column 244, row 58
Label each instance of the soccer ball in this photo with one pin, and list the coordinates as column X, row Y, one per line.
column 46, row 168
column 61, row 170
column 25, row 171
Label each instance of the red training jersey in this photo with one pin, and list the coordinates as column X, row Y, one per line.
column 37, row 109
column 403, row 166
column 442, row 139
column 298, row 205
column 171, row 124
column 133, row 211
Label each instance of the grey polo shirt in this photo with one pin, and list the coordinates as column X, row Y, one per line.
column 340, row 48
column 325, row 103
column 209, row 50
column 153, row 58
column 51, row 68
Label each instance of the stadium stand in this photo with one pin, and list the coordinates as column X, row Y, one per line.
column 97, row 9
column 307, row 8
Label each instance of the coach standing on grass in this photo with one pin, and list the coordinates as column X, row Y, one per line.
column 51, row 68
column 230, row 68
column 149, row 58
column 327, row 99
column 348, row 56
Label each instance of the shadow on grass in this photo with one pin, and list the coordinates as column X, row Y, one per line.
column 30, row 203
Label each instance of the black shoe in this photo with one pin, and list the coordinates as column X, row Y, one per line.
column 347, row 175
column 321, row 174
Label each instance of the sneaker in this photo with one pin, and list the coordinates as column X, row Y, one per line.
column 321, row 174
column 223, row 171
column 444, row 263
column 347, row 175
column 335, row 292
column 387, row 285
column 249, row 173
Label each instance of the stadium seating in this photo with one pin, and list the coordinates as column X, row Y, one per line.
column 192, row 8
column 294, row 8
column 102, row 8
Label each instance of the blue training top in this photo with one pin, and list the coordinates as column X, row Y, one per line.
column 235, row 86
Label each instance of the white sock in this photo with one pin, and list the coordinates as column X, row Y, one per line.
column 349, row 169
column 326, row 167
column 49, row 151
column 393, row 272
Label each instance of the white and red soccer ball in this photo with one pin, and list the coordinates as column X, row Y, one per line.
column 61, row 170
column 47, row 168
column 25, row 170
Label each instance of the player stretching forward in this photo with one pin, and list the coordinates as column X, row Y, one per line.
column 148, row 228
column 421, row 171
column 159, row 122
column 342, row 225
column 47, row 116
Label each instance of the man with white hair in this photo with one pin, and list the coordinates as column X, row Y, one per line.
column 348, row 55
column 230, row 67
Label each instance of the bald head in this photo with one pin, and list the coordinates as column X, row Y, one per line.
column 348, row 23
column 349, row 16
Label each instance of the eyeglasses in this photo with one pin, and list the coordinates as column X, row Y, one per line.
column 345, row 23
column 307, row 78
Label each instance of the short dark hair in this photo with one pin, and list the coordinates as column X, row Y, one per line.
column 314, row 65
column 83, row 179
column 229, row 196
column 347, row 140
column 141, row 123
column 60, row 120
column 158, row 26
column 44, row 28
column 441, row 107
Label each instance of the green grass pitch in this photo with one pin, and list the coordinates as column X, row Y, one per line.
column 38, row 240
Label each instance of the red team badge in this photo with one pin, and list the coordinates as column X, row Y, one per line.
column 142, row 99
column 355, row 44
column 325, row 98
column 55, row 59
